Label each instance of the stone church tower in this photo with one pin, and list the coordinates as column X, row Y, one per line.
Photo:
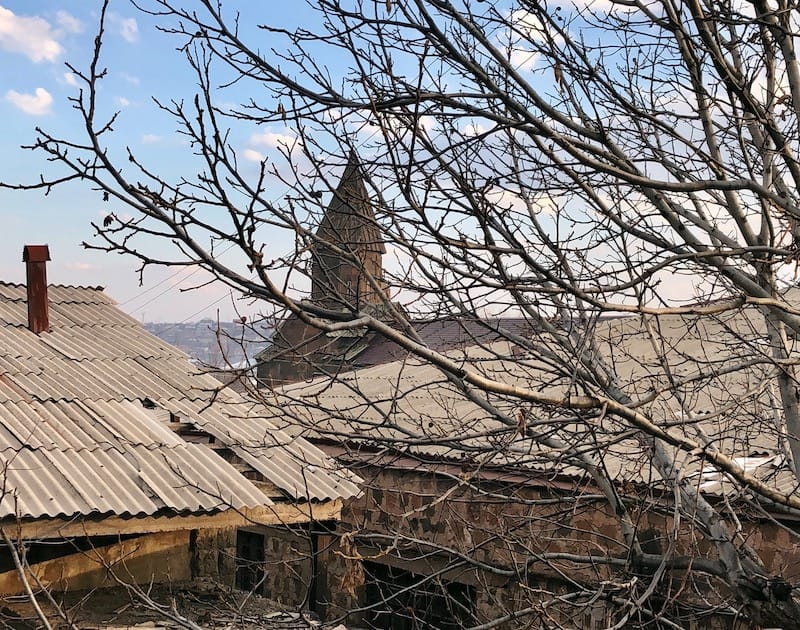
column 346, row 274
column 349, row 248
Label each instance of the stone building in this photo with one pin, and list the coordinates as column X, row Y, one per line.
column 346, row 274
column 466, row 519
column 119, row 457
column 347, row 259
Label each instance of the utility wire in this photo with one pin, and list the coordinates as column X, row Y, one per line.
column 155, row 286
column 176, row 273
column 169, row 288
column 193, row 315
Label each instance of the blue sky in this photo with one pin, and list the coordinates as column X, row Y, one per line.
column 37, row 39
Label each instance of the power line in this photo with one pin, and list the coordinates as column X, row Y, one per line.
column 193, row 315
column 152, row 288
column 169, row 288
column 164, row 292
column 199, row 267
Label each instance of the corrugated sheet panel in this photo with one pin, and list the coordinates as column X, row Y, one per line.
column 67, row 315
column 291, row 463
column 410, row 407
column 96, row 379
column 181, row 374
column 13, row 313
column 18, row 341
column 59, row 293
column 48, row 425
column 193, row 478
column 83, row 314
column 132, row 423
column 189, row 478
column 57, row 384
column 76, row 438
column 10, row 292
column 10, row 391
column 105, row 342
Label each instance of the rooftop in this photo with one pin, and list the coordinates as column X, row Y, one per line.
column 409, row 407
column 89, row 419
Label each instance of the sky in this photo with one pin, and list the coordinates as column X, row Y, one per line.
column 37, row 40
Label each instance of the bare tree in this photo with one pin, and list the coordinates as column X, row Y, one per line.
column 553, row 162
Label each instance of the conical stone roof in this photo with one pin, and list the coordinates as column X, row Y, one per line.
column 349, row 220
column 349, row 247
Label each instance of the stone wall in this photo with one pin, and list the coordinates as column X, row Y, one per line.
column 288, row 566
column 287, row 562
column 214, row 554
column 496, row 522
column 504, row 523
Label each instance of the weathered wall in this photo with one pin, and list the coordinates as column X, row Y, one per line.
column 497, row 524
column 287, row 566
column 162, row 557
column 214, row 554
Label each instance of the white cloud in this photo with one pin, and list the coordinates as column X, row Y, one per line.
column 525, row 32
column 150, row 138
column 30, row 36
column 122, row 101
column 252, row 155
column 70, row 79
column 527, row 25
column 426, row 123
column 522, row 59
column 515, row 201
column 398, row 126
column 129, row 30
column 269, row 138
column 33, row 104
column 69, row 22
column 79, row 266
column 130, row 78
column 474, row 129
column 126, row 27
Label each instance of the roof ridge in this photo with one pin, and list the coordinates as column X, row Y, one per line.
column 56, row 285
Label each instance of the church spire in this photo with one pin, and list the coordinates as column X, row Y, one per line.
column 349, row 225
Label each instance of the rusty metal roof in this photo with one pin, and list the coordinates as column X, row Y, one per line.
column 79, row 434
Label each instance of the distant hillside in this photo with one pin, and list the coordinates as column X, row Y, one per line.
column 218, row 344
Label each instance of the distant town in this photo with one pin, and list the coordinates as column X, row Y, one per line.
column 213, row 343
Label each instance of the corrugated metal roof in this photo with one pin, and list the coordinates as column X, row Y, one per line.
column 66, row 482
column 77, row 438
column 276, row 454
column 409, row 406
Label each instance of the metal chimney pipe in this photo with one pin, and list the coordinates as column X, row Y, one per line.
column 35, row 258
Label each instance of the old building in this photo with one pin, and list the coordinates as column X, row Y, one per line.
column 466, row 519
column 119, row 460
column 347, row 273
column 445, row 481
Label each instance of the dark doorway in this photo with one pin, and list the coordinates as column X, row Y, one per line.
column 249, row 561
column 403, row 600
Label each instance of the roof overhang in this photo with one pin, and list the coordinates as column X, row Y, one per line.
column 273, row 515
